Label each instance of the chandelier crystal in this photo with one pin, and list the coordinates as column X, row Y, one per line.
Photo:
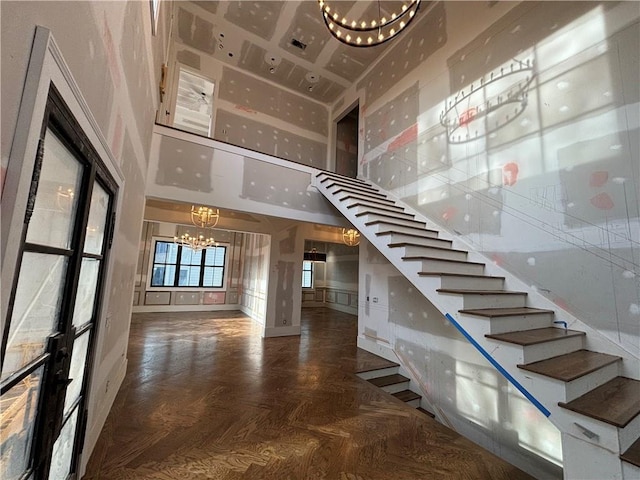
column 350, row 237
column 367, row 32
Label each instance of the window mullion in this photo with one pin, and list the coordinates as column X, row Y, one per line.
column 178, row 263
column 202, row 262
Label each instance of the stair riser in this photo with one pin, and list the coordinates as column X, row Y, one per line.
column 396, row 387
column 431, row 239
column 493, row 301
column 384, row 215
column 355, row 198
column 540, row 351
column 324, row 178
column 520, row 322
column 448, row 267
column 629, row 471
column 434, row 252
column 414, row 403
column 372, row 217
column 362, row 192
column 629, row 434
column 559, row 391
column 472, row 283
column 327, row 183
column 381, row 227
column 372, row 207
column 382, row 372
column 610, row 437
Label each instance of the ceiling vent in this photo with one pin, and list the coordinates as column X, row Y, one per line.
column 298, row 44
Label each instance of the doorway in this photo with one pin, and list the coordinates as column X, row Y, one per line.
column 347, row 143
column 55, row 300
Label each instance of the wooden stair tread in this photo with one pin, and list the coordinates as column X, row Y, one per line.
column 391, row 232
column 378, row 201
column 387, row 222
column 467, row 275
column 426, row 412
column 424, row 257
column 468, row 291
column 632, row 455
column 571, row 365
column 405, row 244
column 406, row 395
column 410, row 244
column 535, row 336
column 505, row 312
column 360, row 191
column 388, row 380
column 396, row 215
column 382, row 208
column 617, row 402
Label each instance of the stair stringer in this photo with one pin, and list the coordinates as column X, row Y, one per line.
column 575, row 428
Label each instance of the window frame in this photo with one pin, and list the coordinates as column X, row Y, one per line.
column 311, row 269
column 199, row 288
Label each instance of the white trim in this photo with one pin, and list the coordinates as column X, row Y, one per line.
column 100, row 417
column 214, row 307
column 282, row 331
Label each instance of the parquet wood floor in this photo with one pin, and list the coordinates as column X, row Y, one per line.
column 205, row 397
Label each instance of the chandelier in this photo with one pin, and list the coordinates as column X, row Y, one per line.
column 367, row 32
column 203, row 218
column 350, row 237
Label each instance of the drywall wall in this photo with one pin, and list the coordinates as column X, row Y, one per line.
column 458, row 383
column 111, row 55
column 519, row 134
column 255, row 276
column 259, row 102
column 188, row 168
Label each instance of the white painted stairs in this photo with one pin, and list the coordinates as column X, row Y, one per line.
column 583, row 392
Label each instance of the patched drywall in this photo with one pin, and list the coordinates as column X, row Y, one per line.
column 518, row 137
column 259, row 18
column 253, row 94
column 261, row 137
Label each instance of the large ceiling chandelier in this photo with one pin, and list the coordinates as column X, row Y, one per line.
column 367, row 32
column 204, row 218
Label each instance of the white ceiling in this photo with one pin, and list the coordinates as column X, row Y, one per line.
column 258, row 37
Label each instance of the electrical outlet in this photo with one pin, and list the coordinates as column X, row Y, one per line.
column 375, row 299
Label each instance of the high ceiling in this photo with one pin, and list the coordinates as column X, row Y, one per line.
column 285, row 42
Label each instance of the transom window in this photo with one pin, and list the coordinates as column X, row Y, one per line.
column 178, row 266
column 307, row 274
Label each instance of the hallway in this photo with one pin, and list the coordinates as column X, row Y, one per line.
column 206, row 397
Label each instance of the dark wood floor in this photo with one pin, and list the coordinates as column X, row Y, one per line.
column 206, row 398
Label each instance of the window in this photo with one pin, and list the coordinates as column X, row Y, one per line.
column 194, row 103
column 177, row 266
column 307, row 274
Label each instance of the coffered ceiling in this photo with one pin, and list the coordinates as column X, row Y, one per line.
column 285, row 42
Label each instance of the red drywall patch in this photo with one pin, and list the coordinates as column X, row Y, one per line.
column 598, row 179
column 602, row 201
column 408, row 136
column 510, row 174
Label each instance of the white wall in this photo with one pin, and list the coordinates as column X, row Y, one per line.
column 114, row 59
column 547, row 185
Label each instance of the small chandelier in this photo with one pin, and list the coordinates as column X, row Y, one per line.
column 204, row 218
column 367, row 32
column 350, row 237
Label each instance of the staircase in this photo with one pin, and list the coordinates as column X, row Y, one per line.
column 581, row 391
column 391, row 381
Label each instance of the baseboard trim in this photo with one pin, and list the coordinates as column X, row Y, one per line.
column 282, row 331
column 183, row 308
column 101, row 416
column 384, row 351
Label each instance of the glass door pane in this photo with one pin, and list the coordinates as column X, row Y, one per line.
column 36, row 309
column 57, row 199
column 63, row 449
column 18, row 408
column 76, row 371
column 86, row 297
column 97, row 220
